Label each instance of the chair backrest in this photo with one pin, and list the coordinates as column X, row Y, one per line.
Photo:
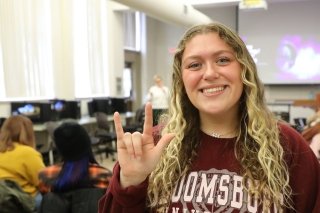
column 75, row 201
column 102, row 120
column 140, row 115
column 51, row 126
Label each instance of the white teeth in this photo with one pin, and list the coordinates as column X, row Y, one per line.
column 213, row 90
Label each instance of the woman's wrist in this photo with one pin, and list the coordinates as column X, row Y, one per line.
column 126, row 181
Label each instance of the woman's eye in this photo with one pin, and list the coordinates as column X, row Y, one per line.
column 223, row 61
column 194, row 66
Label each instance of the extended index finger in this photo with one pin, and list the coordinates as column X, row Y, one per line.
column 118, row 126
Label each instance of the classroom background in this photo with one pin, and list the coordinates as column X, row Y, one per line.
column 104, row 53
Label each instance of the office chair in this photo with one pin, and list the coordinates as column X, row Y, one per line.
column 105, row 136
column 50, row 148
column 137, row 125
column 97, row 148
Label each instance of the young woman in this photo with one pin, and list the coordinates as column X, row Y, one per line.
column 220, row 149
column 19, row 160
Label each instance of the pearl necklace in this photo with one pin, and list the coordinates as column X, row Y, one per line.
column 216, row 135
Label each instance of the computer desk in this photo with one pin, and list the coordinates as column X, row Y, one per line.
column 44, row 140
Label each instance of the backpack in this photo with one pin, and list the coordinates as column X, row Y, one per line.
column 14, row 199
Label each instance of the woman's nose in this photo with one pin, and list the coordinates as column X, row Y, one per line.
column 211, row 72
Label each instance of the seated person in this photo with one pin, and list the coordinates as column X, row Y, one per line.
column 312, row 133
column 19, row 160
column 78, row 170
column 309, row 132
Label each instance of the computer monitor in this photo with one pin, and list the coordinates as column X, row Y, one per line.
column 100, row 105
column 37, row 112
column 119, row 105
column 57, row 106
column 63, row 109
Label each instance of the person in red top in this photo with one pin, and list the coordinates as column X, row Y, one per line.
column 221, row 149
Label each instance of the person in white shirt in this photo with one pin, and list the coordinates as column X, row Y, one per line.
column 158, row 95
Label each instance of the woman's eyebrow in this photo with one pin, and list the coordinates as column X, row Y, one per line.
column 196, row 55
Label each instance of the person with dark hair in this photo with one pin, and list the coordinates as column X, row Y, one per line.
column 220, row 148
column 78, row 169
column 19, row 160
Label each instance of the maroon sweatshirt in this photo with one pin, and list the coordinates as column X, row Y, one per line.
column 214, row 183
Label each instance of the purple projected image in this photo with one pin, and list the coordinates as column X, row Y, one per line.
column 284, row 41
column 289, row 59
column 298, row 59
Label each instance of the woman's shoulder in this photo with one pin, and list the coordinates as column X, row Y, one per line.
column 25, row 149
column 100, row 176
column 296, row 147
column 96, row 169
column 287, row 128
column 291, row 136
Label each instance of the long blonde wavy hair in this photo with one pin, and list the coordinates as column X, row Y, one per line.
column 257, row 148
column 19, row 129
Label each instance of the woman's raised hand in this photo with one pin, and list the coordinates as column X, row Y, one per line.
column 137, row 153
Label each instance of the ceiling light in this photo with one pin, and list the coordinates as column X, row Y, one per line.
column 253, row 4
column 212, row 3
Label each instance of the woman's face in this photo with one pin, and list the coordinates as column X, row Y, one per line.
column 211, row 75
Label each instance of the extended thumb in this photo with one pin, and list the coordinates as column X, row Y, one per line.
column 164, row 141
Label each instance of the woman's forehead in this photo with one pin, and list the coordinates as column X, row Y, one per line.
column 210, row 42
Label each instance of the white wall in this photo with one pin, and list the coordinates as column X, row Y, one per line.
column 156, row 58
column 226, row 15
column 62, row 49
column 4, row 109
column 115, row 44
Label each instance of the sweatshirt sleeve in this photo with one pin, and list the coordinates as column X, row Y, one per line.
column 304, row 171
column 33, row 164
column 129, row 200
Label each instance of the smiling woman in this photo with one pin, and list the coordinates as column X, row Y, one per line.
column 180, row 166
column 212, row 78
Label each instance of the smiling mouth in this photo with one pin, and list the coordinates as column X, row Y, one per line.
column 213, row 90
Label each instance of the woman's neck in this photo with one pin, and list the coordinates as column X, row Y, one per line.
column 220, row 126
